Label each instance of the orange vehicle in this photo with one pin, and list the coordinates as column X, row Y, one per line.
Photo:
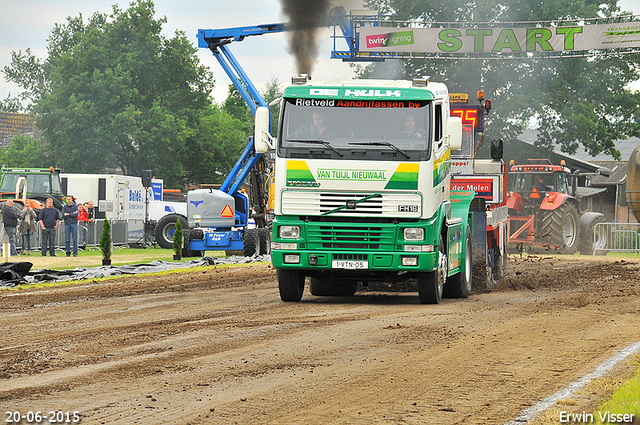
column 39, row 184
column 544, row 214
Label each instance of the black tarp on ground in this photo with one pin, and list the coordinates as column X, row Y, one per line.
column 12, row 274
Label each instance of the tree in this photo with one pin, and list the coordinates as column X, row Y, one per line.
column 272, row 91
column 236, row 106
column 576, row 101
column 177, row 239
column 221, row 139
column 114, row 93
column 105, row 242
column 11, row 104
column 24, row 151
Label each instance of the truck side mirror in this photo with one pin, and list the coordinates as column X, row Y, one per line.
column 454, row 132
column 496, row 149
column 261, row 137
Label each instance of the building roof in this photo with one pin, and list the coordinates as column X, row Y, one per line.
column 624, row 146
column 618, row 174
column 608, row 171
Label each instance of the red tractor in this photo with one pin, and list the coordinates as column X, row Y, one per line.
column 544, row 215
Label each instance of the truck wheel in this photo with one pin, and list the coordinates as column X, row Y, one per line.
column 594, row 239
column 431, row 284
column 330, row 287
column 560, row 227
column 188, row 235
column 165, row 228
column 264, row 238
column 290, row 284
column 250, row 242
column 459, row 285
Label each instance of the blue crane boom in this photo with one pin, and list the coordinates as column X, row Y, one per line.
column 217, row 41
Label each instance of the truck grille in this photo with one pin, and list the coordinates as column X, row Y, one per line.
column 350, row 236
column 301, row 202
column 350, row 257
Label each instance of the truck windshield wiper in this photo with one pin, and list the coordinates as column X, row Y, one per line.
column 391, row 145
column 316, row 142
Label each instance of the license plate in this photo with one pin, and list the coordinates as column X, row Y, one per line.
column 353, row 265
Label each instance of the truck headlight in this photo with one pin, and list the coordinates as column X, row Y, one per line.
column 409, row 261
column 290, row 232
column 291, row 258
column 413, row 234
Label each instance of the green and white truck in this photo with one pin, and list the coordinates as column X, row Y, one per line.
column 362, row 188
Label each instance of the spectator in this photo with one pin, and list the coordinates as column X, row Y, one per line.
column 49, row 221
column 10, row 217
column 91, row 215
column 27, row 226
column 70, row 217
column 83, row 223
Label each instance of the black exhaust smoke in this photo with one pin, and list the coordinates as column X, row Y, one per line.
column 306, row 18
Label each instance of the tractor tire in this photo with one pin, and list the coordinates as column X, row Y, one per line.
column 165, row 228
column 264, row 240
column 290, row 284
column 459, row 285
column 561, row 227
column 595, row 239
column 251, row 244
column 431, row 284
column 331, row 287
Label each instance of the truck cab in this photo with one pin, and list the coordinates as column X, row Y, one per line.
column 362, row 189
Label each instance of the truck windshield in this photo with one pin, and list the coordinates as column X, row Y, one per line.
column 350, row 129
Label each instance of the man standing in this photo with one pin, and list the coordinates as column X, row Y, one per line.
column 10, row 217
column 49, row 221
column 70, row 216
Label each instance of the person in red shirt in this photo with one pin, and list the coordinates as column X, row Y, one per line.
column 83, row 222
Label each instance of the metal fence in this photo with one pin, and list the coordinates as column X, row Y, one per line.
column 123, row 232
column 617, row 237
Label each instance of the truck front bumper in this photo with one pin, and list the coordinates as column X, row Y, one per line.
column 354, row 246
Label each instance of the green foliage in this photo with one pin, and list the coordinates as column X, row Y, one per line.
column 24, row 151
column 272, row 91
column 177, row 238
column 572, row 101
column 235, row 106
column 114, row 93
column 213, row 153
column 10, row 104
column 105, row 240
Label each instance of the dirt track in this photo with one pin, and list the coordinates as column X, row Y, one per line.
column 219, row 347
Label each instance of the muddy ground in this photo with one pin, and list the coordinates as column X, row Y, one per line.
column 219, row 347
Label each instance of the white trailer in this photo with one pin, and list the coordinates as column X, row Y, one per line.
column 118, row 197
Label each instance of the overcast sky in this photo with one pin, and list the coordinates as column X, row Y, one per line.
column 28, row 23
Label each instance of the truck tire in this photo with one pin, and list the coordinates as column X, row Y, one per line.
column 186, row 252
column 459, row 285
column 264, row 240
column 165, row 228
column 290, row 284
column 589, row 246
column 331, row 287
column 431, row 284
column 251, row 243
column 560, row 227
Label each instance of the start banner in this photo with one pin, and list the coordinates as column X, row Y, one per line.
column 500, row 40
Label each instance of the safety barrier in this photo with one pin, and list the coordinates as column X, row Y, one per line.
column 123, row 232
column 616, row 237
